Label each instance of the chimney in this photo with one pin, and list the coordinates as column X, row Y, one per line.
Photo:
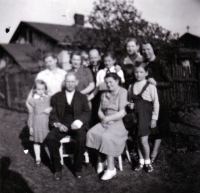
column 79, row 19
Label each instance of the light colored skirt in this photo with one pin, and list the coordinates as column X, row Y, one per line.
column 110, row 140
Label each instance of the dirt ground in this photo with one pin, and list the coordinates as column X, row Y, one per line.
column 177, row 168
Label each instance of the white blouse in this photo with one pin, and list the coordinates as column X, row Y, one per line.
column 101, row 75
column 53, row 81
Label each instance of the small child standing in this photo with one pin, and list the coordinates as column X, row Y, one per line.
column 143, row 99
column 39, row 110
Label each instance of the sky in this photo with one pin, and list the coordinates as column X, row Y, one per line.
column 174, row 15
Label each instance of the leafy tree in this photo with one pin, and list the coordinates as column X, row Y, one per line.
column 115, row 20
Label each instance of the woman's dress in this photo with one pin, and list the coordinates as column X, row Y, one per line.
column 110, row 139
column 39, row 120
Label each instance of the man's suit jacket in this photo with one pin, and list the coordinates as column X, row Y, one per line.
column 81, row 110
column 94, row 74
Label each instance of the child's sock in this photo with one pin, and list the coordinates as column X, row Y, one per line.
column 147, row 161
column 37, row 152
column 141, row 161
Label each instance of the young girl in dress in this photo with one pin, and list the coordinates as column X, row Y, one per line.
column 39, row 109
column 143, row 99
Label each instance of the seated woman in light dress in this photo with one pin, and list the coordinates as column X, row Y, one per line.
column 109, row 136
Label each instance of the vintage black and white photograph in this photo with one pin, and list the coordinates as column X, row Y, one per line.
column 99, row 96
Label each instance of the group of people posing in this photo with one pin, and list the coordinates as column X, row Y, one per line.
column 89, row 101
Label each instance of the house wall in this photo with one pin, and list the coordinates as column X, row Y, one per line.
column 15, row 85
column 20, row 85
column 2, row 92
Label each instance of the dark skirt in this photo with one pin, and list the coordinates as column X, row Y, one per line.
column 144, row 114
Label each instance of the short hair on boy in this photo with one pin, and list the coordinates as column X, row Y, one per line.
column 142, row 65
column 131, row 40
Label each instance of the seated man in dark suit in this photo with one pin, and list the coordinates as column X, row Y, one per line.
column 69, row 116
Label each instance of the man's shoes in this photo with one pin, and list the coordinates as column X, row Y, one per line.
column 57, row 176
column 109, row 174
column 78, row 175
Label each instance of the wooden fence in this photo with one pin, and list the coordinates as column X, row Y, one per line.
column 185, row 89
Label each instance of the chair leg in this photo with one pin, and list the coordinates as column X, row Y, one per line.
column 127, row 154
column 120, row 163
column 87, row 160
column 61, row 154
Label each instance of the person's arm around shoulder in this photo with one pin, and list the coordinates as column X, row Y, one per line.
column 167, row 79
column 89, row 88
column 30, row 103
column 121, row 75
column 91, row 84
column 154, row 96
column 93, row 94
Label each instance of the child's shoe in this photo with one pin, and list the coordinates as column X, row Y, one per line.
column 149, row 168
column 139, row 167
column 37, row 163
column 109, row 174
